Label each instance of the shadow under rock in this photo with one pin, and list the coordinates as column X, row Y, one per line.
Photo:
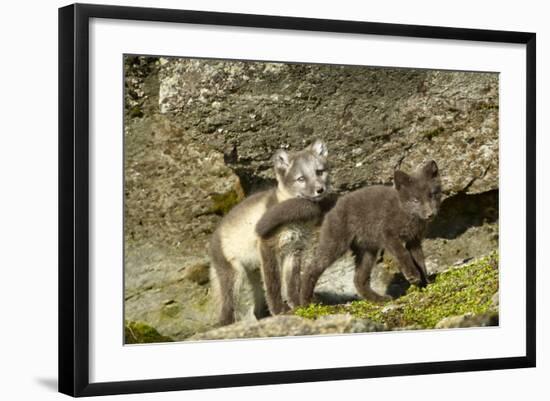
column 460, row 212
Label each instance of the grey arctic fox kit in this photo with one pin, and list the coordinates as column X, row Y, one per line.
column 238, row 253
column 379, row 217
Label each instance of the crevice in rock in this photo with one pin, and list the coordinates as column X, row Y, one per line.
column 474, row 179
column 462, row 211
column 252, row 183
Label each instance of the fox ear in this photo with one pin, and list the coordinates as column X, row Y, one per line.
column 400, row 179
column 281, row 160
column 430, row 169
column 319, row 147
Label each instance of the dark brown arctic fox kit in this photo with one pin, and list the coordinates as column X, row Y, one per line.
column 379, row 217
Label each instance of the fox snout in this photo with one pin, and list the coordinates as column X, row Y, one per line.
column 430, row 213
column 319, row 190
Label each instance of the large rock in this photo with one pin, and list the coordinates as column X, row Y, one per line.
column 175, row 188
column 280, row 326
column 168, row 290
column 176, row 191
column 374, row 119
column 468, row 320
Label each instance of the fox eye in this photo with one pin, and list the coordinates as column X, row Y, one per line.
column 320, row 171
column 301, row 178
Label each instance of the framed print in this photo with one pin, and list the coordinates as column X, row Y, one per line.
column 251, row 199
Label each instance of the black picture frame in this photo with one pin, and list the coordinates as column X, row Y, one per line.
column 74, row 198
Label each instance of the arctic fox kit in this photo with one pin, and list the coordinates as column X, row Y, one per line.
column 237, row 252
column 379, row 217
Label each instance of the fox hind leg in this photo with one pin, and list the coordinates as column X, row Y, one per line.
column 291, row 269
column 364, row 261
column 330, row 248
column 272, row 278
column 255, row 306
column 223, row 287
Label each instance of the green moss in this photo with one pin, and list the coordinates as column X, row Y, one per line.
column 135, row 112
column 429, row 135
column 141, row 333
column 468, row 289
column 313, row 311
column 223, row 203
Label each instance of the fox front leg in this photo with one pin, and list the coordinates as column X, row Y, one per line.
column 406, row 262
column 272, row 278
column 415, row 248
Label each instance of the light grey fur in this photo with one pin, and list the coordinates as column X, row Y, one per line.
column 238, row 253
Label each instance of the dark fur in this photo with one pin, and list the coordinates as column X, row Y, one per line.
column 272, row 278
column 295, row 210
column 374, row 218
column 298, row 212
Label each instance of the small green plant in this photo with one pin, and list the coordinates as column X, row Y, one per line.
column 135, row 112
column 313, row 311
column 223, row 203
column 141, row 333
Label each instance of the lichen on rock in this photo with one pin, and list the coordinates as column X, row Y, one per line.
column 281, row 326
column 142, row 333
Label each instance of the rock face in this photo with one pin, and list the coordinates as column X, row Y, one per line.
column 165, row 289
column 199, row 135
column 280, row 326
column 468, row 320
column 374, row 119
